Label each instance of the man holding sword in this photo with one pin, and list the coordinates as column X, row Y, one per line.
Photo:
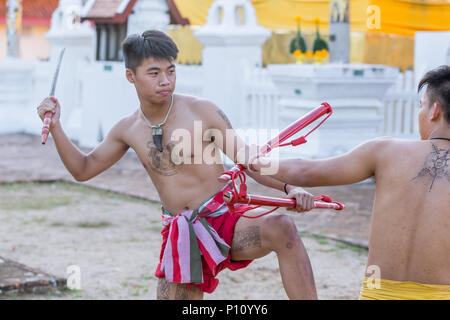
column 200, row 237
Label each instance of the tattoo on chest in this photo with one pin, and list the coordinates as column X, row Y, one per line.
column 246, row 239
column 436, row 166
column 161, row 162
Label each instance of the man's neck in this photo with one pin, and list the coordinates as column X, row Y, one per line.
column 441, row 132
column 154, row 111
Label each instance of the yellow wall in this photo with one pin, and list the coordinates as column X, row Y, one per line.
column 402, row 17
column 33, row 44
column 392, row 43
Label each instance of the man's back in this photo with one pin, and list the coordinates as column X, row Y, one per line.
column 411, row 216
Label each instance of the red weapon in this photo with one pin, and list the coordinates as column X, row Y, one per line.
column 241, row 196
column 288, row 132
column 322, row 202
column 48, row 114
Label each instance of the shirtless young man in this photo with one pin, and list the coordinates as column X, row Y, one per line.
column 190, row 193
column 409, row 243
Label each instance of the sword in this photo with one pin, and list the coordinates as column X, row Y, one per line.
column 48, row 114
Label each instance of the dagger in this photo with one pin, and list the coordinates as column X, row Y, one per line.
column 48, row 114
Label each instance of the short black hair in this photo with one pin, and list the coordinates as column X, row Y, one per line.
column 152, row 43
column 438, row 81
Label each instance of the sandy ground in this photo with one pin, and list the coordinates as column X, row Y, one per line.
column 115, row 240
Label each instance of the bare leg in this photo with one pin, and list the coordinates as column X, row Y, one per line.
column 255, row 238
column 176, row 291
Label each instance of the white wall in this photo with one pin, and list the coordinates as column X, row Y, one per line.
column 430, row 51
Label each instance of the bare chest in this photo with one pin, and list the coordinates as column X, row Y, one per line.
column 183, row 144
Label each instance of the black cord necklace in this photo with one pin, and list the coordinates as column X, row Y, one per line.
column 448, row 139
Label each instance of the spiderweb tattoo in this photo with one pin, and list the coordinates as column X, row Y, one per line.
column 436, row 165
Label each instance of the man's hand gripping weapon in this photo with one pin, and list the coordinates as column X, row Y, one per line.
column 241, row 196
column 48, row 114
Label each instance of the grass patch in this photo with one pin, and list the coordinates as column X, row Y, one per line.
column 57, row 224
column 90, row 224
column 28, row 196
column 346, row 246
column 339, row 246
column 148, row 277
column 156, row 228
column 320, row 239
column 25, row 202
column 328, row 250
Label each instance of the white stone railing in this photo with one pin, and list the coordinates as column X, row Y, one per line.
column 260, row 97
column 401, row 106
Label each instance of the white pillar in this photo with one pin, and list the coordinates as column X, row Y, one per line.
column 149, row 14
column 448, row 55
column 232, row 39
column 13, row 20
column 339, row 30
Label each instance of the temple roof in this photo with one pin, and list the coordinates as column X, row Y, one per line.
column 109, row 11
column 117, row 11
column 35, row 12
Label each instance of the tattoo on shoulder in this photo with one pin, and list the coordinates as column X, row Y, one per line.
column 225, row 118
column 436, row 166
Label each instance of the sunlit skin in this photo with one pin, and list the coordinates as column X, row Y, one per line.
column 183, row 186
column 431, row 120
column 410, row 222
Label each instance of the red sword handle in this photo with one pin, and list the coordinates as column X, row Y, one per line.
column 46, row 126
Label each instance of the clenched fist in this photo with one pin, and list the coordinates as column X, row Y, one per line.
column 50, row 104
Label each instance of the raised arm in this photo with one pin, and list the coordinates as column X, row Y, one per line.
column 81, row 166
column 354, row 166
column 229, row 142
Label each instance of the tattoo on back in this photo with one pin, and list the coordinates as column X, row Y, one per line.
column 436, row 165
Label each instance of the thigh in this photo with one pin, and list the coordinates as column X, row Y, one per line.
column 177, row 291
column 248, row 240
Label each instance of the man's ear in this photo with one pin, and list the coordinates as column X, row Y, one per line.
column 436, row 111
column 130, row 75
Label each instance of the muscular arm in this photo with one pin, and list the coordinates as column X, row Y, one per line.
column 84, row 167
column 354, row 166
column 232, row 143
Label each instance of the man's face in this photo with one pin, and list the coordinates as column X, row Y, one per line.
column 155, row 80
column 424, row 117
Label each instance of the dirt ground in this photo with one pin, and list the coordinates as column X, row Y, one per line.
column 115, row 240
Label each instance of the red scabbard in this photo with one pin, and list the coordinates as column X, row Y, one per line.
column 249, row 199
column 287, row 133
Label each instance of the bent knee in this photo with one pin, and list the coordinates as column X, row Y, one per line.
column 281, row 231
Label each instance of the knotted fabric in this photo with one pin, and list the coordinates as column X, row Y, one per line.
column 190, row 237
